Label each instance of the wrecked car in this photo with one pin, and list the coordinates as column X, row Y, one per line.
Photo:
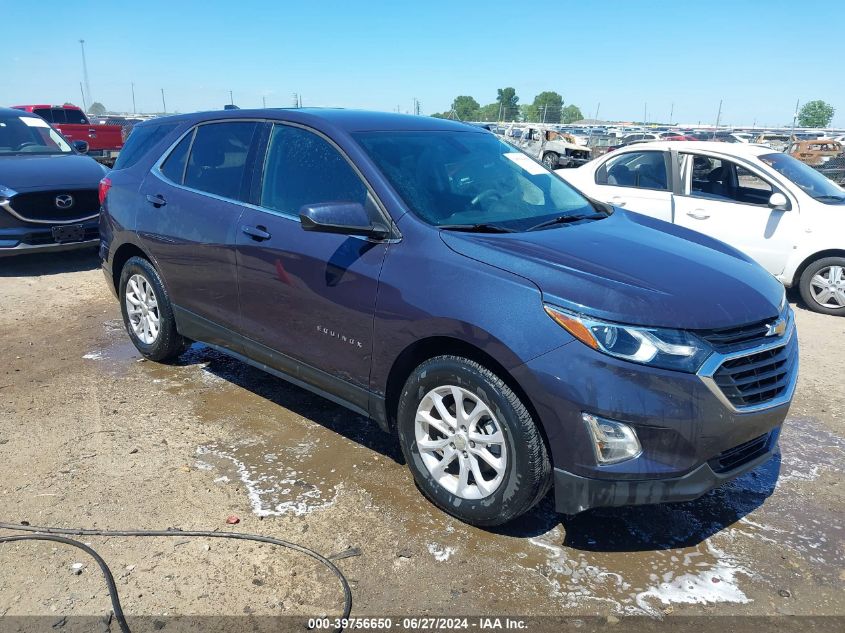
column 554, row 148
column 815, row 152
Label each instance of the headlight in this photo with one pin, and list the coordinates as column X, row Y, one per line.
column 658, row 347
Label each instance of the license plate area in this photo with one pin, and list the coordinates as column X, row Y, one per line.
column 69, row 233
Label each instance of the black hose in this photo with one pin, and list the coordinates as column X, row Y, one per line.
column 54, row 534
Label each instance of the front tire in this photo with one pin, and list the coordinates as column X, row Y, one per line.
column 147, row 312
column 471, row 444
column 551, row 161
column 822, row 286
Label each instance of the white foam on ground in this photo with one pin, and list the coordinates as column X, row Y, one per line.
column 93, row 356
column 441, row 553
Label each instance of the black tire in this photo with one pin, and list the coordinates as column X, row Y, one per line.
column 806, row 288
column 551, row 161
column 168, row 344
column 527, row 475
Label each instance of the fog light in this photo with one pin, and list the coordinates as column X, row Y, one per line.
column 613, row 442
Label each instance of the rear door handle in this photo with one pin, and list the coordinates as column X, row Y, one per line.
column 698, row 214
column 258, row 233
column 157, row 200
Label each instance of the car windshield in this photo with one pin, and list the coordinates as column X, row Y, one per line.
column 30, row 135
column 808, row 179
column 470, row 178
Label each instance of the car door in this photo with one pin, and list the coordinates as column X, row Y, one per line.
column 729, row 200
column 308, row 298
column 194, row 197
column 638, row 181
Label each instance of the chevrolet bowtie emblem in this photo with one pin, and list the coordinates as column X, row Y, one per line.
column 776, row 328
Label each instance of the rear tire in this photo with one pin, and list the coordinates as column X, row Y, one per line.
column 822, row 286
column 147, row 312
column 551, row 161
column 494, row 429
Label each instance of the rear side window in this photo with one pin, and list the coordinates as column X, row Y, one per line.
column 140, row 141
column 174, row 166
column 218, row 159
column 303, row 168
column 44, row 113
column 643, row 170
column 75, row 117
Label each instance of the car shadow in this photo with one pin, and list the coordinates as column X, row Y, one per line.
column 300, row 401
column 654, row 527
column 37, row 264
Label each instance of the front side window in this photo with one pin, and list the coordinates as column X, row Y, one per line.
column 217, row 163
column 30, row 135
column 303, row 168
column 643, row 170
column 470, row 178
column 75, row 116
column 718, row 179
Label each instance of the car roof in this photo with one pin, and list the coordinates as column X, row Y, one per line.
column 10, row 112
column 346, row 120
column 729, row 149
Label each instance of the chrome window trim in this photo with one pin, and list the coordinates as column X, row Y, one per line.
column 6, row 205
column 715, row 361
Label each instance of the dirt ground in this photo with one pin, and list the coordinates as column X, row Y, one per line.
column 93, row 436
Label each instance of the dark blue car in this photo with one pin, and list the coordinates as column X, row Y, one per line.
column 48, row 189
column 513, row 334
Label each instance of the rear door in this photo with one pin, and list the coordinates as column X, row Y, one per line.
column 729, row 200
column 193, row 199
column 637, row 181
column 308, row 298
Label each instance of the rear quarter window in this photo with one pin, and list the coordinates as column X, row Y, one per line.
column 141, row 140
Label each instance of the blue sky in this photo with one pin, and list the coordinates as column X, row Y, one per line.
column 758, row 56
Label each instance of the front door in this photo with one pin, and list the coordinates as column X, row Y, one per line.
column 730, row 201
column 307, row 297
column 636, row 181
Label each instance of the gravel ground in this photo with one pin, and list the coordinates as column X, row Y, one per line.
column 93, row 436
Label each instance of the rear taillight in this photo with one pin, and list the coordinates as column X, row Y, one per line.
column 105, row 185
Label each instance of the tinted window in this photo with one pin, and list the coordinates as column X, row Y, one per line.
column 44, row 113
column 303, row 168
column 58, row 115
column 140, row 141
column 644, row 170
column 174, row 167
column 75, row 116
column 218, row 158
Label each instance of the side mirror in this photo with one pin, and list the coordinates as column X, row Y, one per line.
column 81, row 146
column 346, row 218
column 778, row 201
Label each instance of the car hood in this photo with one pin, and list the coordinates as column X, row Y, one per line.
column 31, row 173
column 633, row 269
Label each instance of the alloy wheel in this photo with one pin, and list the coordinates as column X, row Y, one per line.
column 142, row 309
column 460, row 442
column 828, row 287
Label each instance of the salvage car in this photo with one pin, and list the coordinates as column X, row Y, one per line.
column 816, row 152
column 48, row 188
column 513, row 334
column 784, row 214
column 554, row 148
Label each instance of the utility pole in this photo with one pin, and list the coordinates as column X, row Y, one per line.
column 671, row 112
column 231, row 99
column 163, row 104
column 645, row 113
column 545, row 109
column 134, row 111
column 795, row 116
column 82, row 92
column 718, row 118
column 264, row 102
column 85, row 75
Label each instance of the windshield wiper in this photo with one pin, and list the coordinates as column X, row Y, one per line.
column 829, row 197
column 481, row 227
column 568, row 219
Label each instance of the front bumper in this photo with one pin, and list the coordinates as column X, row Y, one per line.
column 32, row 239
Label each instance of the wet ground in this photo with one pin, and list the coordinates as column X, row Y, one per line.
column 91, row 434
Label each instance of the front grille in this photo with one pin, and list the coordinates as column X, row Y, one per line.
column 758, row 378
column 41, row 205
column 728, row 338
column 738, row 455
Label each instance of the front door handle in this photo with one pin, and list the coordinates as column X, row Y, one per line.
column 258, row 233
column 157, row 200
column 698, row 214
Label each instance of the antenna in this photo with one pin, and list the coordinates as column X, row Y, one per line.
column 718, row 118
column 85, row 74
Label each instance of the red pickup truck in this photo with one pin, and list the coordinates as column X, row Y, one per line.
column 104, row 141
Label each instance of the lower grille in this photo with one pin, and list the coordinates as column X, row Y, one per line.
column 758, row 378
column 738, row 455
column 727, row 338
column 40, row 206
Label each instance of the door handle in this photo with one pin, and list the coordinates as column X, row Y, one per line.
column 698, row 214
column 258, row 233
column 157, row 200
column 618, row 201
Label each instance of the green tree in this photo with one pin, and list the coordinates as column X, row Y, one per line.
column 528, row 113
column 466, row 108
column 97, row 109
column 509, row 103
column 571, row 113
column 547, row 107
column 816, row 114
column 490, row 112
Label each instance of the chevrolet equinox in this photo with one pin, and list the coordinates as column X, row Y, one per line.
column 515, row 335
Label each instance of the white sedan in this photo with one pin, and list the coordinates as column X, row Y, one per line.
column 779, row 211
